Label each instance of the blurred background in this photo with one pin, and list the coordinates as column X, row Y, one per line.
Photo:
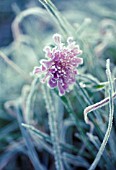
column 25, row 28
column 96, row 10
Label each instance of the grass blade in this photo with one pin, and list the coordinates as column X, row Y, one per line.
column 111, row 112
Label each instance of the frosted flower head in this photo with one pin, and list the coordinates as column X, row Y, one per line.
column 60, row 67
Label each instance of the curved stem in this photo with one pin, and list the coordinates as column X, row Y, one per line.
column 95, row 107
column 111, row 110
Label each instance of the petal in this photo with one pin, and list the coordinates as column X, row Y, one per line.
column 48, row 52
column 56, row 75
column 77, row 52
column 65, row 86
column 72, row 80
column 36, row 70
column 43, row 68
column 52, row 83
column 75, row 72
column 56, row 56
column 61, row 89
column 57, row 38
column 80, row 60
column 70, row 40
column 47, row 48
column 71, row 46
column 76, row 61
column 46, row 63
column 53, row 69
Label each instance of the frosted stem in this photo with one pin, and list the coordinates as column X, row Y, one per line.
column 53, row 129
column 111, row 111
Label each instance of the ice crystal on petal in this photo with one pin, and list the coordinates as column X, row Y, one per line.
column 60, row 67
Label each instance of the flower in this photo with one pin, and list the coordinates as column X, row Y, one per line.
column 60, row 68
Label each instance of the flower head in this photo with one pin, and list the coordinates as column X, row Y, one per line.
column 60, row 68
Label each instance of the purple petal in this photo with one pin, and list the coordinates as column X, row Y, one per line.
column 46, row 63
column 80, row 60
column 75, row 72
column 65, row 86
column 76, row 61
column 43, row 68
column 37, row 70
column 52, row 83
column 56, row 56
column 77, row 52
column 61, row 89
column 47, row 50
column 56, row 75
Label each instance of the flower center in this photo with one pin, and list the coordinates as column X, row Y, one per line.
column 60, row 68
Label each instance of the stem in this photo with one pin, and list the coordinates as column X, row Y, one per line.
column 28, row 141
column 111, row 110
column 89, row 102
column 14, row 66
column 16, row 23
column 53, row 129
column 95, row 107
column 29, row 112
column 47, row 138
column 59, row 19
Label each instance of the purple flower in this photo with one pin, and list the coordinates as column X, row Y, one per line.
column 60, row 68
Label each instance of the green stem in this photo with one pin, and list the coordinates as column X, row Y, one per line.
column 53, row 128
column 111, row 110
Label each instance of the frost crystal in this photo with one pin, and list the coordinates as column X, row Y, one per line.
column 60, row 68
